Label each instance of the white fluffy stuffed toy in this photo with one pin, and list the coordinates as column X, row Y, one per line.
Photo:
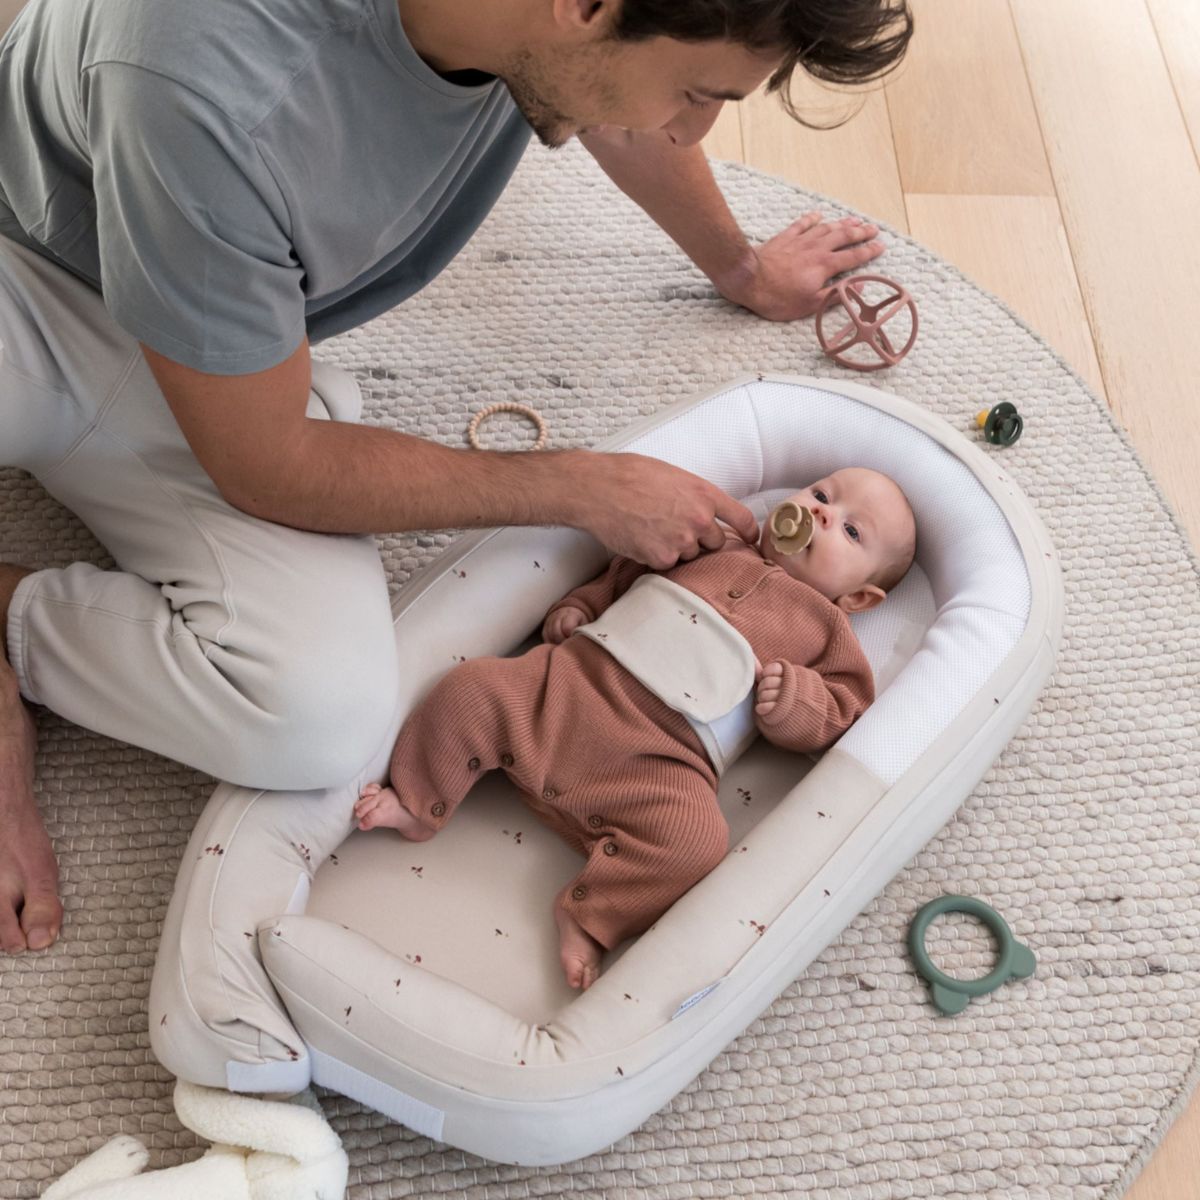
column 263, row 1150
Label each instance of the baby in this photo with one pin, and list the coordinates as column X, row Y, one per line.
column 612, row 751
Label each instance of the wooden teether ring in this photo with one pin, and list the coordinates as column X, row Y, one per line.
column 866, row 324
column 507, row 406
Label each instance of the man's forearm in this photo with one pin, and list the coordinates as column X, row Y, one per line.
column 339, row 477
column 675, row 186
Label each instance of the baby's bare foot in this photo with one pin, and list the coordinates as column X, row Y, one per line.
column 578, row 951
column 380, row 806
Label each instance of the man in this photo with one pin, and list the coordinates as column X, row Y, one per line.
column 191, row 193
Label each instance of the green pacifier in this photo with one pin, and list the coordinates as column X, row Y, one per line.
column 952, row 995
column 1001, row 425
column 791, row 527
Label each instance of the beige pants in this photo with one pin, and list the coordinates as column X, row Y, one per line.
column 259, row 654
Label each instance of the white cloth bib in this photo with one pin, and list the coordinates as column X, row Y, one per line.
column 689, row 656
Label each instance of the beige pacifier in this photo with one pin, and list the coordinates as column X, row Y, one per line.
column 791, row 527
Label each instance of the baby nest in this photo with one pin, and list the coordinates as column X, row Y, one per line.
column 423, row 980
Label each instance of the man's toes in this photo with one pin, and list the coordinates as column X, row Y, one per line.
column 12, row 938
column 41, row 919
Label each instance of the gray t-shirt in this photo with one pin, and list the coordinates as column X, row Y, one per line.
column 233, row 174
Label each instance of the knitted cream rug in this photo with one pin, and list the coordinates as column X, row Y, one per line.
column 1085, row 834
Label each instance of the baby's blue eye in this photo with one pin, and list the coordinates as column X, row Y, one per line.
column 852, row 530
column 820, row 495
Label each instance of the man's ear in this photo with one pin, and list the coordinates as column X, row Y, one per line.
column 865, row 598
column 582, row 15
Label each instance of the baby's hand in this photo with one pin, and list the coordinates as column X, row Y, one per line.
column 561, row 623
column 770, row 683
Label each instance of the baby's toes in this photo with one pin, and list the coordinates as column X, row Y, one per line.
column 573, row 969
column 582, row 970
column 370, row 817
column 367, row 799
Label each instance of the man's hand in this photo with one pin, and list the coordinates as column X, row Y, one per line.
column 785, row 278
column 653, row 512
column 782, row 279
column 561, row 623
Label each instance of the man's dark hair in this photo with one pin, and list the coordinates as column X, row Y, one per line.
column 839, row 41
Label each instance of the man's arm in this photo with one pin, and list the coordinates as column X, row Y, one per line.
column 267, row 458
column 675, row 186
column 782, row 279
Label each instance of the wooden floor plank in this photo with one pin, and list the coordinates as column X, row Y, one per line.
column 1177, row 23
column 1129, row 189
column 963, row 118
column 855, row 163
column 724, row 139
column 962, row 229
column 1172, row 1172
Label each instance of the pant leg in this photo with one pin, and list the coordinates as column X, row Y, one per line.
column 658, row 831
column 260, row 654
column 475, row 719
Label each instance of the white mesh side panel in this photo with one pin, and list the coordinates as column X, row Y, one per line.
column 891, row 633
column 717, row 439
column 957, row 654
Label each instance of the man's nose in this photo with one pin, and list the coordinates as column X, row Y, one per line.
column 691, row 125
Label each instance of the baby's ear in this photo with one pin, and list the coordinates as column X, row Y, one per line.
column 867, row 597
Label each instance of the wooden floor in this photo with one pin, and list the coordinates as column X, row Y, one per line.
column 1048, row 148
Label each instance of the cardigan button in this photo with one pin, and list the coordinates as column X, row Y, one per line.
column 438, row 809
column 548, row 793
column 473, row 765
column 578, row 893
column 735, row 593
column 610, row 848
column 595, row 822
column 506, row 760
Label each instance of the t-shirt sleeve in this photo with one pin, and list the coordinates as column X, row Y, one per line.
column 196, row 257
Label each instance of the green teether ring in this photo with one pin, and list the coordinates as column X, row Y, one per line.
column 952, row 995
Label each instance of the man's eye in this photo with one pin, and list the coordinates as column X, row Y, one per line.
column 696, row 103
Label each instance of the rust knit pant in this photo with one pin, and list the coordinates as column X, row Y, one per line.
column 599, row 759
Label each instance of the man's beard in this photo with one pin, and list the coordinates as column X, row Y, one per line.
column 538, row 95
column 526, row 84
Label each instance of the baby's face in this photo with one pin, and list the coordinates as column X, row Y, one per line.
column 860, row 522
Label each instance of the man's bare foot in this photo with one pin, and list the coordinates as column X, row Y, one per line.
column 30, row 912
column 381, row 806
column 578, row 950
